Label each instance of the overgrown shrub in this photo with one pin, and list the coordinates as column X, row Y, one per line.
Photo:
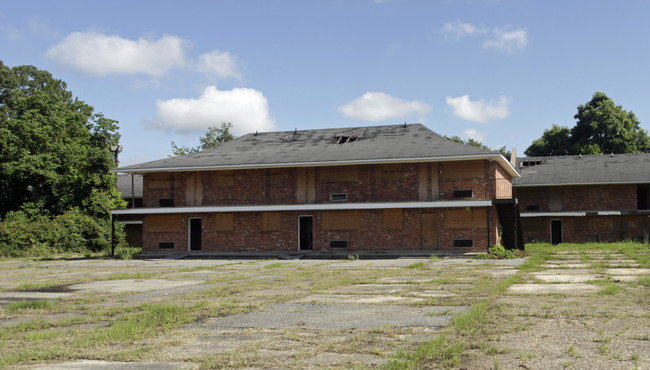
column 23, row 233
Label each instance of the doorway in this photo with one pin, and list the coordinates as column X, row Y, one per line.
column 305, row 233
column 429, row 230
column 556, row 232
column 194, row 236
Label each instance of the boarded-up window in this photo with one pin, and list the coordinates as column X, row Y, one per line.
column 392, row 172
column 582, row 224
column 555, row 199
column 271, row 221
column 273, row 176
column 392, row 219
column 479, row 217
column 339, row 174
column 159, row 180
column 194, row 189
column 343, row 220
column 533, row 224
column 163, row 223
column 463, row 170
column 458, row 219
column 225, row 178
column 224, row 222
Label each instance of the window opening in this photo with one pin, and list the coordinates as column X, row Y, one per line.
column 338, row 197
column 338, row 244
column 463, row 243
column 463, row 193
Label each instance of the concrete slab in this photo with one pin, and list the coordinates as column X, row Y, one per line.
column 568, row 288
column 371, row 288
column 627, row 271
column 566, row 265
column 365, row 299
column 567, row 278
column 435, row 293
column 339, row 316
column 131, row 285
column 405, row 279
column 386, row 263
column 625, row 278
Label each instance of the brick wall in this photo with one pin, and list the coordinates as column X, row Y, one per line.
column 371, row 183
column 587, row 228
column 579, row 198
column 372, row 233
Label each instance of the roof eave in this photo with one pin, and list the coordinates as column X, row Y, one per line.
column 500, row 159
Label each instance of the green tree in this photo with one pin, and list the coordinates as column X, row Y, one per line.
column 214, row 136
column 601, row 127
column 503, row 150
column 554, row 141
column 54, row 149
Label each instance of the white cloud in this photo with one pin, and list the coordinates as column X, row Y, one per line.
column 379, row 106
column 475, row 134
column 459, row 29
column 507, row 41
column 247, row 109
column 219, row 65
column 99, row 54
column 479, row 111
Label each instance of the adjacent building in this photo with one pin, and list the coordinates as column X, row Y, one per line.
column 381, row 188
column 590, row 198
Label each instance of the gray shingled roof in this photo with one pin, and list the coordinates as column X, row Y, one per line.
column 582, row 170
column 323, row 147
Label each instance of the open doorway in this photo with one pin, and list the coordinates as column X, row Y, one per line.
column 305, row 233
column 556, row 232
column 194, row 237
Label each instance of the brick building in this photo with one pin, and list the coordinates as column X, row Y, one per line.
column 382, row 188
column 584, row 198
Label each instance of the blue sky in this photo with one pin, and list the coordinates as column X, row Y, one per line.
column 500, row 71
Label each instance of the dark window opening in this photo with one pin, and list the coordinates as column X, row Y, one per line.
column 166, row 202
column 463, row 243
column 531, row 163
column 166, row 245
column 533, row 208
column 345, row 139
column 339, row 197
column 556, row 232
column 463, row 193
column 338, row 244
column 643, row 196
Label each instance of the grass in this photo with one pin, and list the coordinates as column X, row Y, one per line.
column 41, row 304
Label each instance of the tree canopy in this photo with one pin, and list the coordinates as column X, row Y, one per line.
column 503, row 150
column 602, row 127
column 54, row 149
column 214, row 136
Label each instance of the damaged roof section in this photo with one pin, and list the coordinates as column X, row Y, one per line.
column 583, row 169
column 336, row 146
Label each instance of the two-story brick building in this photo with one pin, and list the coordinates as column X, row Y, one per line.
column 382, row 188
column 584, row 198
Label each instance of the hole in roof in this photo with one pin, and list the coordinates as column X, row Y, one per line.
column 345, row 139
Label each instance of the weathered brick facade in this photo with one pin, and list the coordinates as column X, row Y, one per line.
column 363, row 230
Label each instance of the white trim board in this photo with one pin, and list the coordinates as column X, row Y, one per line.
column 302, row 207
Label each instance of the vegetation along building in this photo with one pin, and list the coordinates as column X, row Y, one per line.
column 584, row 198
column 382, row 188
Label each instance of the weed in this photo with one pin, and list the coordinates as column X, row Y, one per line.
column 353, row 257
column 610, row 288
column 417, row 265
column 40, row 304
column 635, row 356
column 434, row 258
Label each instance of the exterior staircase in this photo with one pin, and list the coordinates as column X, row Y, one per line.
column 509, row 218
